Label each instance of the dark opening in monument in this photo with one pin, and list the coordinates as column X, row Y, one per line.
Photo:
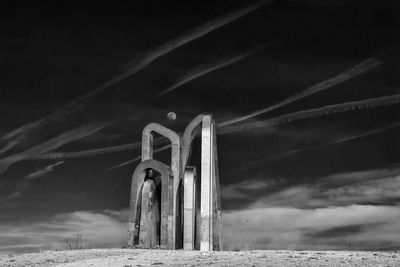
column 179, row 215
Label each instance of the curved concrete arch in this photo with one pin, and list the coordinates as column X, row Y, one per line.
column 167, row 228
column 191, row 131
column 176, row 144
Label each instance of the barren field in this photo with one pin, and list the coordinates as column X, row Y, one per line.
column 140, row 257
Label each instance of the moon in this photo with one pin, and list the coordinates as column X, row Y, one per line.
column 171, row 116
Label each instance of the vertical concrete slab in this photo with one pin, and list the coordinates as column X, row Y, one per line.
column 206, row 242
column 192, row 130
column 212, row 185
column 189, row 206
column 217, row 233
column 146, row 222
column 155, row 227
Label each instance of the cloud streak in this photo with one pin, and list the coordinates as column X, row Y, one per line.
column 139, row 157
column 8, row 146
column 340, row 140
column 44, row 171
column 316, row 112
column 361, row 68
column 89, row 152
column 23, row 185
column 96, row 151
column 189, row 36
column 280, row 156
column 203, row 70
column 244, row 189
column 51, row 144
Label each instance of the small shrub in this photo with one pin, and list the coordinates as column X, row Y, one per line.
column 75, row 243
column 355, row 246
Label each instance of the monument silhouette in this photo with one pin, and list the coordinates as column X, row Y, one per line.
column 170, row 206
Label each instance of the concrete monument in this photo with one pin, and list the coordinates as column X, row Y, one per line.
column 170, row 207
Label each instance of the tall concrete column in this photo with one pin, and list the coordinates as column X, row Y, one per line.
column 189, row 206
column 217, row 226
column 206, row 211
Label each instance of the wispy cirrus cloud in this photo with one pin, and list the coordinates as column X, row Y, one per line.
column 189, row 36
column 51, row 144
column 138, row 64
column 138, row 158
column 315, row 112
column 203, row 70
column 44, row 170
column 97, row 151
column 89, row 152
column 361, row 68
column 8, row 146
column 244, row 189
column 336, row 141
column 23, row 185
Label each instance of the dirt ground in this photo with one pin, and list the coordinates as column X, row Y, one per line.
column 140, row 257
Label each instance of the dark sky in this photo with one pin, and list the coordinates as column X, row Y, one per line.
column 79, row 82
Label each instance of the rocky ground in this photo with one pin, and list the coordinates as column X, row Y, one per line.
column 140, row 257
